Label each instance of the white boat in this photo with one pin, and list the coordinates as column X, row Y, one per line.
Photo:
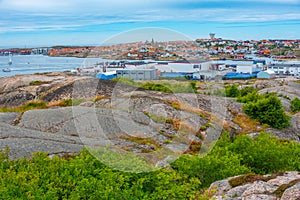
column 6, row 70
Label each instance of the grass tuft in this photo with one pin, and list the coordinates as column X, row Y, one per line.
column 31, row 105
column 247, row 124
column 32, row 83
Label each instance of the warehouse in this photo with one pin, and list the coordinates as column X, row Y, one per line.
column 138, row 74
column 288, row 68
column 268, row 74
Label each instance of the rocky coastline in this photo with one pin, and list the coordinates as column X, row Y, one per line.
column 53, row 130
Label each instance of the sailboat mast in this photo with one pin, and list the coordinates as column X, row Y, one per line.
column 10, row 60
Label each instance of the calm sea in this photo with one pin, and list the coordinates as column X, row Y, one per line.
column 31, row 64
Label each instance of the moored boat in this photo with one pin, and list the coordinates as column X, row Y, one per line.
column 6, row 70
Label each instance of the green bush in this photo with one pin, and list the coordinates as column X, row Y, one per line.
column 210, row 168
column 266, row 154
column 85, row 177
column 295, row 105
column 232, row 156
column 250, row 97
column 193, row 85
column 247, row 90
column 267, row 110
column 232, row 91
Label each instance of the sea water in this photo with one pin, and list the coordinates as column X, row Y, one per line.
column 30, row 64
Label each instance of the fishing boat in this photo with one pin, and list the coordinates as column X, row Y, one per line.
column 6, row 70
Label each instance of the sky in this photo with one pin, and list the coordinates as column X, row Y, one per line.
column 33, row 23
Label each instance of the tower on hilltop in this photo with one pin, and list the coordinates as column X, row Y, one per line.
column 212, row 36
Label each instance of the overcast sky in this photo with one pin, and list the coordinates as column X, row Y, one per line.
column 27, row 23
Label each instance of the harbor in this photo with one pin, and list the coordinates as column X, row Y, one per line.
column 108, row 69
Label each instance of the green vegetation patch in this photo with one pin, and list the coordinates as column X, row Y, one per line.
column 267, row 109
column 162, row 85
column 297, row 81
column 71, row 102
column 28, row 106
column 85, row 177
column 92, row 174
column 295, row 105
column 232, row 91
column 38, row 82
column 233, row 156
column 32, row 105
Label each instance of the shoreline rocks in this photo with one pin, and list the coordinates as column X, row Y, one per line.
column 283, row 186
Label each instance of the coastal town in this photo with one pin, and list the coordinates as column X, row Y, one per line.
column 210, row 48
column 152, row 100
column 202, row 59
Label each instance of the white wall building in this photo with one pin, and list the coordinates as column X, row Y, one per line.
column 138, row 74
column 288, row 68
column 246, row 69
column 188, row 67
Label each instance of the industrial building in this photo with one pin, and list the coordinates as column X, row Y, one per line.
column 138, row 74
column 189, row 66
column 248, row 69
column 234, row 75
column 174, row 74
column 287, row 68
column 205, row 75
column 268, row 74
column 182, row 68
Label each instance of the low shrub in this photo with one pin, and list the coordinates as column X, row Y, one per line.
column 233, row 156
column 85, row 177
column 232, row 91
column 295, row 105
column 267, row 110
